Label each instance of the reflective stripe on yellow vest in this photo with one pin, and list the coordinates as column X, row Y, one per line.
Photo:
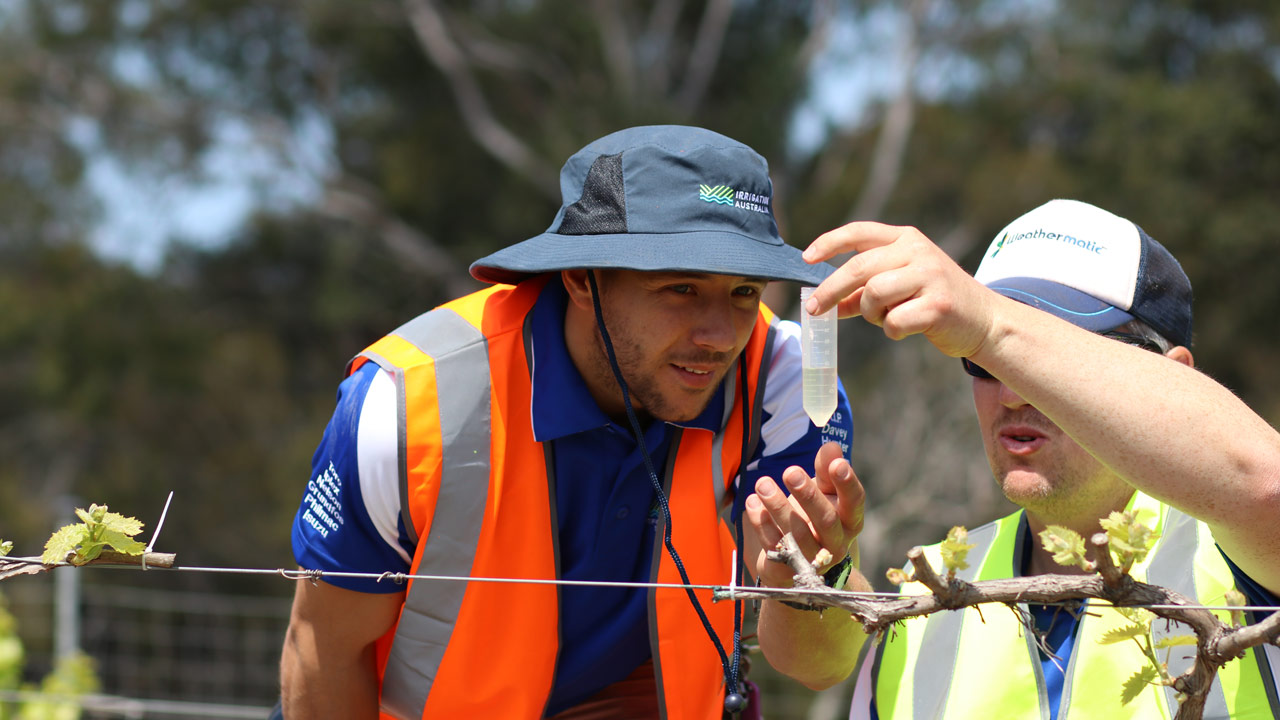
column 983, row 663
column 475, row 488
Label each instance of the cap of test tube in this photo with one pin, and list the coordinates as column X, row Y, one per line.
column 818, row 346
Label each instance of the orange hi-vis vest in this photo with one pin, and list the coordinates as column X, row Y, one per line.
column 478, row 500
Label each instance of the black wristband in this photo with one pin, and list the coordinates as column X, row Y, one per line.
column 834, row 577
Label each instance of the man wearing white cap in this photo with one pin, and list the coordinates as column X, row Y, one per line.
column 1076, row 329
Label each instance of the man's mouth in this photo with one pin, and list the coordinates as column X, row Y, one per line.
column 1021, row 440
column 696, row 377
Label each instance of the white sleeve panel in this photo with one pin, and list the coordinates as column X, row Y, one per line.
column 785, row 418
column 378, row 455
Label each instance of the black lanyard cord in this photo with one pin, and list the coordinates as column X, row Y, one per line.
column 730, row 671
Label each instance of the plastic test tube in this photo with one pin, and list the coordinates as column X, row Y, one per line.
column 818, row 346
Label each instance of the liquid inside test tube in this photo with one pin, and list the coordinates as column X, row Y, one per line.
column 818, row 346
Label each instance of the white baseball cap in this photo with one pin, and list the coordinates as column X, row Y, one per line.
column 1091, row 268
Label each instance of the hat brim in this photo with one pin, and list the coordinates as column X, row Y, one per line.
column 717, row 253
column 1074, row 306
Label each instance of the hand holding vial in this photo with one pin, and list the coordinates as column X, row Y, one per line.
column 818, row 346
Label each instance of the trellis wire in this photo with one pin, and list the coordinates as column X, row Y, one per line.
column 729, row 591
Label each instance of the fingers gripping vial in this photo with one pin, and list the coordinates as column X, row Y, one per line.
column 818, row 345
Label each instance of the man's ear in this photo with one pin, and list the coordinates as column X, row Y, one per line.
column 1181, row 354
column 579, row 289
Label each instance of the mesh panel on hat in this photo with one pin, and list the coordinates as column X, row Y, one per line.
column 1163, row 296
column 602, row 209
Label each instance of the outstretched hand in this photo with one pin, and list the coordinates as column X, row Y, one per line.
column 823, row 511
column 904, row 283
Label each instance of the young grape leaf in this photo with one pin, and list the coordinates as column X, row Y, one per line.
column 121, row 524
column 63, row 542
column 122, row 542
column 1136, row 684
column 1175, row 640
column 1130, row 539
column 6, row 547
column 1121, row 634
column 88, row 550
column 1066, row 545
column 955, row 549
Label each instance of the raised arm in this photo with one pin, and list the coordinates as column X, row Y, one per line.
column 328, row 667
column 1166, row 429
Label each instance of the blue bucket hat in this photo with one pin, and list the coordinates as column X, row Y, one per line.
column 660, row 198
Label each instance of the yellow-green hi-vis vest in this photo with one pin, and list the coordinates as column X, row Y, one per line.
column 969, row 664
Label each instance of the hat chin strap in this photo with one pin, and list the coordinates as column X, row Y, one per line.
column 734, row 701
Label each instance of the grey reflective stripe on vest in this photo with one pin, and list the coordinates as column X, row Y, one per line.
column 426, row 622
column 718, row 485
column 934, row 670
column 1173, row 566
column 757, row 403
column 1268, row 657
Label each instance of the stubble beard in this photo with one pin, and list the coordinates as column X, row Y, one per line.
column 644, row 388
column 1060, row 492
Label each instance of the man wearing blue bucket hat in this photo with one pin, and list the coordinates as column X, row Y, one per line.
column 590, row 427
column 1076, row 331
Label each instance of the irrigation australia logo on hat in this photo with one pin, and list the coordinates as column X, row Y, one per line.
column 725, row 195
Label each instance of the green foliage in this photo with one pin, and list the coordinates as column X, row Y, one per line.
column 1066, row 545
column 1120, row 634
column 1175, row 641
column 6, row 547
column 72, row 676
column 1129, row 539
column 1139, row 631
column 81, row 543
column 1137, row 683
column 955, row 549
column 11, row 652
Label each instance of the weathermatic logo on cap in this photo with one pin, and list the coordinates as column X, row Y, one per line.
column 725, row 195
column 1007, row 239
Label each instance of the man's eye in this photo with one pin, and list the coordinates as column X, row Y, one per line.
column 747, row 291
column 681, row 289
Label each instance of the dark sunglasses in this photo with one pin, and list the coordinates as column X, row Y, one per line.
column 976, row 370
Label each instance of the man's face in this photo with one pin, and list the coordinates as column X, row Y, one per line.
column 1038, row 466
column 675, row 334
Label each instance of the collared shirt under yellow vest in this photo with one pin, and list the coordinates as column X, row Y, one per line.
column 970, row 664
column 483, row 649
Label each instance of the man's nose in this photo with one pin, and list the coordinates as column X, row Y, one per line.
column 1009, row 398
column 713, row 326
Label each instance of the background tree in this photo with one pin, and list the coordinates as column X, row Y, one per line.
column 385, row 145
